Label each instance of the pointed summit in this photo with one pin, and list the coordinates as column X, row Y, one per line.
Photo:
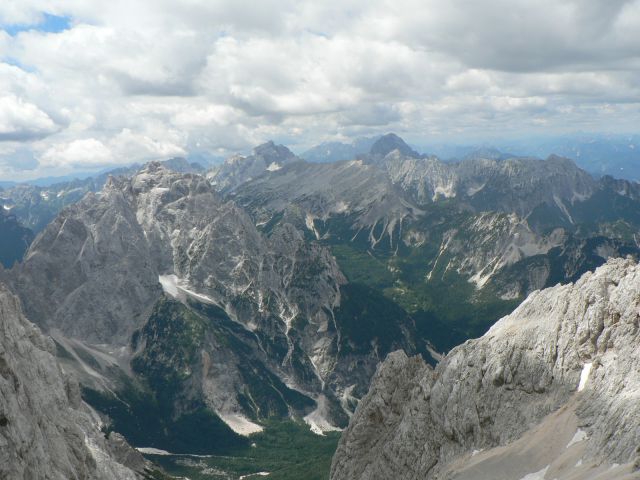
column 271, row 152
column 390, row 142
column 236, row 170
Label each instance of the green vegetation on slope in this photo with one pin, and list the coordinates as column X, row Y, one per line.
column 14, row 240
column 365, row 317
column 148, row 421
column 288, row 450
column 446, row 310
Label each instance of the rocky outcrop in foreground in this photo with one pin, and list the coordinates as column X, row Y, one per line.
column 550, row 392
column 46, row 431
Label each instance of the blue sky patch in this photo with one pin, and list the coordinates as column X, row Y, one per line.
column 50, row 24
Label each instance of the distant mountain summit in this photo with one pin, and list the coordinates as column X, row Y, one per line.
column 36, row 205
column 182, row 165
column 391, row 142
column 328, row 152
column 238, row 169
column 269, row 152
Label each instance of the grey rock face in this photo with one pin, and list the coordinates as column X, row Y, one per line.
column 328, row 152
column 516, row 185
column 89, row 274
column 389, row 143
column 237, row 170
column 360, row 192
column 562, row 371
column 483, row 245
column 281, row 288
column 94, row 276
column 46, row 432
column 36, row 206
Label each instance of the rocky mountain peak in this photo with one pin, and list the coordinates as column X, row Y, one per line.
column 238, row 169
column 550, row 391
column 389, row 143
column 96, row 275
column 182, row 165
column 274, row 153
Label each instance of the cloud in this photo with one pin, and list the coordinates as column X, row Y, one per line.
column 22, row 121
column 84, row 153
column 520, row 35
column 131, row 81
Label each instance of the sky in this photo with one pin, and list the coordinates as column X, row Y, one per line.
column 87, row 84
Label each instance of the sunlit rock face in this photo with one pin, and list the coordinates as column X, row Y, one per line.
column 46, row 431
column 102, row 273
column 551, row 391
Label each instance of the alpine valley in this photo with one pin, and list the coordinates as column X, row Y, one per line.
column 233, row 321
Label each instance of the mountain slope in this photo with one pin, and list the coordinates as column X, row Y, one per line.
column 391, row 143
column 269, row 323
column 36, row 205
column 328, row 152
column 549, row 392
column 236, row 170
column 417, row 229
column 308, row 193
column 14, row 239
column 46, row 431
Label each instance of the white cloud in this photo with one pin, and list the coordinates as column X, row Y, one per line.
column 129, row 146
column 21, row 120
column 84, row 153
column 131, row 81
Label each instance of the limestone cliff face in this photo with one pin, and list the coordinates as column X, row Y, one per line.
column 89, row 273
column 97, row 273
column 550, row 391
column 46, row 431
column 236, row 170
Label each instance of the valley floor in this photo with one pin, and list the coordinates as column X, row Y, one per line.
column 284, row 451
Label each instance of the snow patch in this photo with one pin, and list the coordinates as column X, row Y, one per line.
column 584, row 376
column 471, row 191
column 164, row 453
column 309, row 222
column 259, row 474
column 175, row 288
column 539, row 475
column 240, row 424
column 169, row 285
column 563, row 208
column 434, row 354
column 317, row 421
column 153, row 451
column 199, row 296
column 341, row 207
column 580, row 436
column 446, row 191
column 274, row 167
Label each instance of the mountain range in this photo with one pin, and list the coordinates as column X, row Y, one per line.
column 200, row 309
